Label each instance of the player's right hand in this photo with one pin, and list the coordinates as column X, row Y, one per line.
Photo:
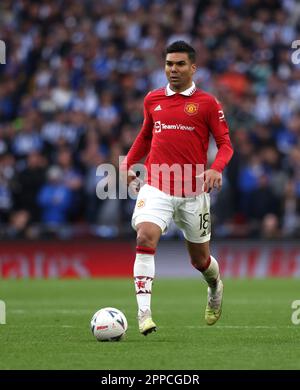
column 130, row 178
column 127, row 176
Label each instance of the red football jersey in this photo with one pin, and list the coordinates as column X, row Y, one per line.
column 176, row 130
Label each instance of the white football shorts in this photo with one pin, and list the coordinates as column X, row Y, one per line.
column 191, row 215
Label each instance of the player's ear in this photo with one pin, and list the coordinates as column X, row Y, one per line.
column 194, row 68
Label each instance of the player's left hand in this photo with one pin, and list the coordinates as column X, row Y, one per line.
column 212, row 179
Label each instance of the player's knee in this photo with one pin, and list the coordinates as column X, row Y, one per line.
column 146, row 239
column 200, row 261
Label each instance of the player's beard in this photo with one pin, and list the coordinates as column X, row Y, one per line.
column 179, row 82
column 175, row 83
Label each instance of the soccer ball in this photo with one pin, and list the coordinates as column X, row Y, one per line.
column 109, row 324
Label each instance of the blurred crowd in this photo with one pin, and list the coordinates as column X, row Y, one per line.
column 71, row 98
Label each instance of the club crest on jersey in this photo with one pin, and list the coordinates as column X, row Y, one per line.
column 191, row 108
column 140, row 204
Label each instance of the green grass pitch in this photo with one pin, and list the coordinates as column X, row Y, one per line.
column 48, row 326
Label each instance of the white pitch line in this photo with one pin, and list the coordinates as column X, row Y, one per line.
column 242, row 326
column 234, row 327
column 186, row 326
column 18, row 311
column 50, row 311
column 67, row 326
column 45, row 326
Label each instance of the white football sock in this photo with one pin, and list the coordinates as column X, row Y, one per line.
column 143, row 272
column 212, row 273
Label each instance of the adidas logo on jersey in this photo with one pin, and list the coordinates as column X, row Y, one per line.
column 157, row 108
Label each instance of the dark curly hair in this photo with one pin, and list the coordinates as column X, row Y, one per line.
column 182, row 47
